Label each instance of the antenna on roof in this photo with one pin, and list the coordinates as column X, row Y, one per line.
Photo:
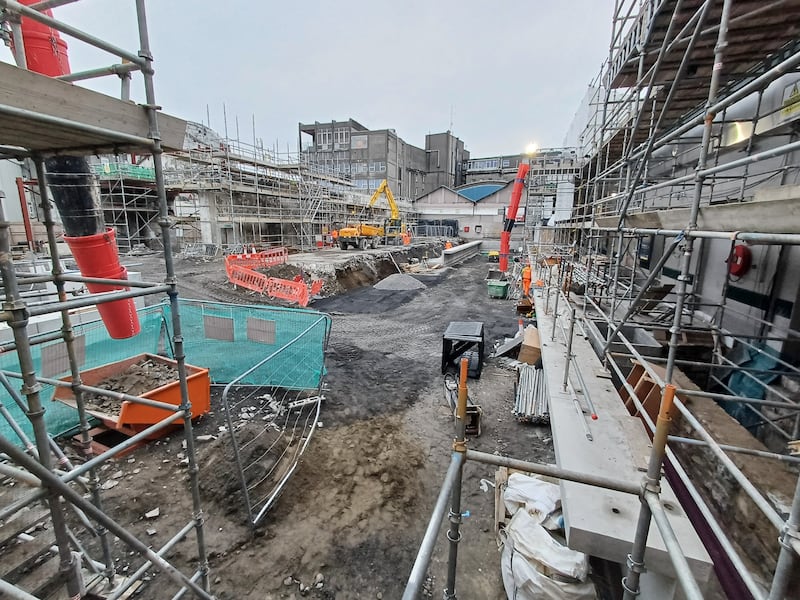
column 451, row 118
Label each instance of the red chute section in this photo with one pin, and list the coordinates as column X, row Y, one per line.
column 45, row 51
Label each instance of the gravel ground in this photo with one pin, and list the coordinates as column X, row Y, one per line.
column 353, row 514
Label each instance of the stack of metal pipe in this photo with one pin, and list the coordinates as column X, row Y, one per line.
column 531, row 402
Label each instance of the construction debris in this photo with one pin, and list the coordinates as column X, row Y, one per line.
column 507, row 346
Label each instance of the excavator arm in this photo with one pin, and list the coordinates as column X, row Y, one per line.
column 383, row 188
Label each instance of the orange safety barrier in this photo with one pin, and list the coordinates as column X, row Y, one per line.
column 292, row 291
column 247, row 278
column 258, row 260
column 316, row 287
column 239, row 269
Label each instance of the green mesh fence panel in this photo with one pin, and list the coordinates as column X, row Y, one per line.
column 93, row 348
column 114, row 170
column 227, row 339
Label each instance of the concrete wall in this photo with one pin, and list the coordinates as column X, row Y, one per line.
column 484, row 219
column 770, row 290
column 445, row 160
column 413, row 173
column 749, row 530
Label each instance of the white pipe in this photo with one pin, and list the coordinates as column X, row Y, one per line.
column 13, row 592
column 19, row 475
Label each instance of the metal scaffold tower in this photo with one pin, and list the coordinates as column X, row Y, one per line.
column 72, row 120
column 684, row 225
column 676, row 262
column 233, row 194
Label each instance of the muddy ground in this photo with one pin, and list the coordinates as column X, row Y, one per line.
column 354, row 513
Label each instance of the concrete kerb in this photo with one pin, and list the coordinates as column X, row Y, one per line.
column 457, row 254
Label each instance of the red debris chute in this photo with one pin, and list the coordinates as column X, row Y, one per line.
column 513, row 206
column 45, row 51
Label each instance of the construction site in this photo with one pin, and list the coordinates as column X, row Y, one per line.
column 370, row 370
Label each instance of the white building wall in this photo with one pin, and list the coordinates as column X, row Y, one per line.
column 9, row 171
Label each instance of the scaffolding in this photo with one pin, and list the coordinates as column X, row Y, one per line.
column 237, row 194
column 550, row 188
column 70, row 119
column 130, row 203
column 690, row 153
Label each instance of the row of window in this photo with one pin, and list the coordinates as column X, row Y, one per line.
column 495, row 163
column 355, row 168
column 368, row 184
column 376, row 166
column 489, row 163
column 339, row 135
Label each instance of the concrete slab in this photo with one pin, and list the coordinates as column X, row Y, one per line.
column 601, row 522
column 338, row 258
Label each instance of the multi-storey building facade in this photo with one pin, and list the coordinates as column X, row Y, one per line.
column 350, row 150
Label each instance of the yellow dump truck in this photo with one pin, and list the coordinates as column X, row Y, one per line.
column 367, row 235
column 360, row 236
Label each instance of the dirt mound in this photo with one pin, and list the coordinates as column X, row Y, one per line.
column 259, row 452
column 363, row 383
column 356, row 483
column 398, row 281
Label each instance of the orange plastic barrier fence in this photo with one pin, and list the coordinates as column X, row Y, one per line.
column 247, row 278
column 239, row 269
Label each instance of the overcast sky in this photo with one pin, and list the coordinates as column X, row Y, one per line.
column 503, row 73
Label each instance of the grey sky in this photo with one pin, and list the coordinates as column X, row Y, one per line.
column 508, row 72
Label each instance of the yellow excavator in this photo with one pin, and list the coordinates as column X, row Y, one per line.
column 366, row 235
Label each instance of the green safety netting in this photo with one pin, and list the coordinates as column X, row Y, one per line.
column 227, row 339
column 93, row 348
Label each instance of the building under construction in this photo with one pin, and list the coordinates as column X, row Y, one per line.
column 663, row 312
column 684, row 236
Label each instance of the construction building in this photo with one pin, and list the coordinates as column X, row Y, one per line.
column 476, row 209
column 684, row 233
column 367, row 157
column 664, row 244
column 503, row 168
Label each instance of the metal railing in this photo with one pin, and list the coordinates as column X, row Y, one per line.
column 267, row 453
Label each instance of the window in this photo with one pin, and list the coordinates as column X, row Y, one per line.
column 479, row 165
column 323, row 137
column 341, row 135
column 359, row 142
column 261, row 330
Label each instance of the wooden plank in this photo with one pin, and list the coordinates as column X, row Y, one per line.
column 500, row 519
column 22, row 522
column 24, row 89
